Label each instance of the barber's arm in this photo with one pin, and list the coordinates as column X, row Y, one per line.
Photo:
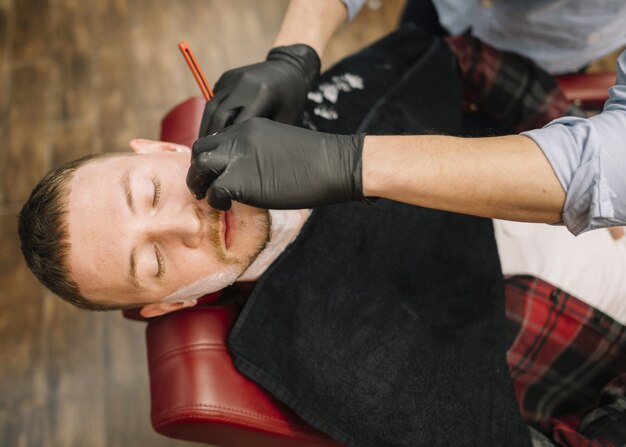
column 500, row 177
column 589, row 159
column 570, row 171
column 272, row 165
column 277, row 87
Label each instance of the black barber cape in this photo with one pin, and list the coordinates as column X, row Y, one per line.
column 382, row 325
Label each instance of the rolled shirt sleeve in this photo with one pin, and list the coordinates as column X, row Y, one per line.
column 353, row 6
column 589, row 159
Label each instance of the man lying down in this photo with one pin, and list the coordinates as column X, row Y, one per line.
column 135, row 236
column 381, row 325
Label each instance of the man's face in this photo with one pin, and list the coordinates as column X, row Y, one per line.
column 137, row 234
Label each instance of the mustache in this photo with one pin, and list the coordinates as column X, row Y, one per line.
column 262, row 223
column 212, row 232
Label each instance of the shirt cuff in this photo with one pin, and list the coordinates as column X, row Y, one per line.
column 572, row 148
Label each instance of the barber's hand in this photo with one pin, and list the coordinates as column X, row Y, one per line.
column 272, row 165
column 274, row 89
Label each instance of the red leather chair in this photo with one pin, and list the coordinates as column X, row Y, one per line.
column 197, row 395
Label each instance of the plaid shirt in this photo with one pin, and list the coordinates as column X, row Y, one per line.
column 567, row 359
column 509, row 88
column 568, row 365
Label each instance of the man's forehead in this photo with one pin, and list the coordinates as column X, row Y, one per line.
column 95, row 222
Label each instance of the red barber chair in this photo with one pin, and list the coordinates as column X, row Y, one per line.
column 197, row 395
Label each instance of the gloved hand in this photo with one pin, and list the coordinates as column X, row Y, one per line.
column 274, row 89
column 272, row 165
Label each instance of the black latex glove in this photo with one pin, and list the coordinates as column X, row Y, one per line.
column 272, row 165
column 274, row 89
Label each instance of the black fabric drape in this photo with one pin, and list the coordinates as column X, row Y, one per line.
column 383, row 325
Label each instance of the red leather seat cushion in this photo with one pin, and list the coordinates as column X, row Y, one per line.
column 197, row 394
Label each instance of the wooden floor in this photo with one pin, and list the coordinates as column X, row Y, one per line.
column 85, row 76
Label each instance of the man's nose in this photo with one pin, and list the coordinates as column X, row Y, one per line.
column 185, row 227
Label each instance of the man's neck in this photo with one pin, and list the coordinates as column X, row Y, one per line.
column 286, row 225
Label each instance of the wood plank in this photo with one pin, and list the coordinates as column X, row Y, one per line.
column 204, row 25
column 154, row 50
column 75, row 375
column 112, row 27
column 225, row 38
column 114, row 100
column 31, row 29
column 70, row 83
column 126, row 382
column 71, row 142
column 6, row 10
column 25, row 158
column 22, row 371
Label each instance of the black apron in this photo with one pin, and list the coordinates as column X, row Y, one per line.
column 382, row 325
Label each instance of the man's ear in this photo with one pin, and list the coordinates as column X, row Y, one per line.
column 143, row 146
column 164, row 307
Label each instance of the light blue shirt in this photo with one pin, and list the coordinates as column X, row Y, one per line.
column 587, row 155
column 561, row 36
column 589, row 159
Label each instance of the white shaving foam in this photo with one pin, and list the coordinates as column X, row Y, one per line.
column 355, row 81
column 326, row 112
column 315, row 97
column 203, row 286
column 286, row 225
column 329, row 92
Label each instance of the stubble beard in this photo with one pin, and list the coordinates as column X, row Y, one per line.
column 261, row 223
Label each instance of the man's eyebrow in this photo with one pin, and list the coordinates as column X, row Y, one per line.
column 132, row 269
column 127, row 192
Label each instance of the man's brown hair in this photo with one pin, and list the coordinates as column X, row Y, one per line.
column 44, row 235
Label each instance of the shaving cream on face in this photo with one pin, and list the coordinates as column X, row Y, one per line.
column 203, row 286
column 285, row 226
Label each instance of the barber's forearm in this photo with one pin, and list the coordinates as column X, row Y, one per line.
column 499, row 177
column 312, row 22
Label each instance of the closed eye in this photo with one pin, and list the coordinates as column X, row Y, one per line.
column 157, row 191
column 159, row 259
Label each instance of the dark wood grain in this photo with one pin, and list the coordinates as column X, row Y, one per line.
column 70, row 80
column 115, row 101
column 24, row 157
column 70, row 142
column 23, row 372
column 5, row 20
column 31, row 30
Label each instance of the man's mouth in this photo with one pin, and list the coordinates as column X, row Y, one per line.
column 228, row 228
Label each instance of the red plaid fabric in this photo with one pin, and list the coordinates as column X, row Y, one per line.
column 568, row 365
column 508, row 87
